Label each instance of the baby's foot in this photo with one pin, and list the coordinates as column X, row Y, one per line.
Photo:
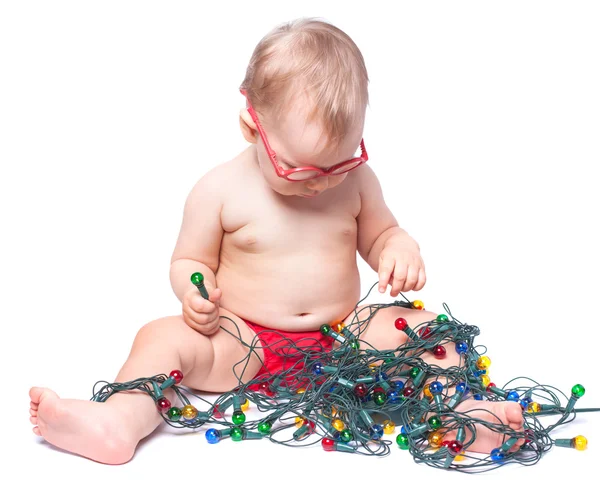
column 91, row 429
column 507, row 412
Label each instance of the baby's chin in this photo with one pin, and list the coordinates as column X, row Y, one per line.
column 289, row 192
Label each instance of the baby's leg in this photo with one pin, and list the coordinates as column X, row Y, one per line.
column 109, row 432
column 381, row 334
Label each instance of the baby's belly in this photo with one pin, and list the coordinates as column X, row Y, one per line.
column 297, row 292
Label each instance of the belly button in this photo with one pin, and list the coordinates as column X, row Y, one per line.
column 302, row 314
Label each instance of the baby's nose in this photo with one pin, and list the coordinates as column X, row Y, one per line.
column 318, row 184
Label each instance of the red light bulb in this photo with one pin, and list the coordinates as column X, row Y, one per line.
column 529, row 435
column 454, row 447
column 177, row 375
column 265, row 389
column 425, row 333
column 328, row 444
column 216, row 412
column 163, row 404
column 401, row 324
column 360, row 390
column 439, row 351
column 408, row 391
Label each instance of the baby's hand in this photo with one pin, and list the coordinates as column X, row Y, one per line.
column 202, row 314
column 401, row 266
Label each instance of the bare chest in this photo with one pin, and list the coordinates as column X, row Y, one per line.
column 260, row 223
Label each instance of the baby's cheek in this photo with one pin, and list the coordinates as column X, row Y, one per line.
column 335, row 180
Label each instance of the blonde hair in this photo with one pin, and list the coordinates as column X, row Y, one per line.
column 313, row 57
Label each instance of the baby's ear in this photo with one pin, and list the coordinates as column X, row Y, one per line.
column 248, row 126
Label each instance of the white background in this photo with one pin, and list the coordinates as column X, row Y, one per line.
column 483, row 128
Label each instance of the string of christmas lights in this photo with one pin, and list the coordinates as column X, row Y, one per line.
column 351, row 396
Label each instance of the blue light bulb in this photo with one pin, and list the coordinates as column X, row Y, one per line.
column 460, row 387
column 436, row 387
column 212, row 436
column 376, row 431
column 512, row 396
column 497, row 455
column 318, row 368
column 461, row 347
column 398, row 385
column 477, row 397
column 393, row 396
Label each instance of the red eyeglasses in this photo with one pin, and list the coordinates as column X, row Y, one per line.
column 306, row 172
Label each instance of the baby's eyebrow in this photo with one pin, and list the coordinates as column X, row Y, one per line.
column 289, row 163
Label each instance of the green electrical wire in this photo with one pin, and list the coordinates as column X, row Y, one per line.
column 303, row 390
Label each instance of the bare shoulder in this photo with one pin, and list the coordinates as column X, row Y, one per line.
column 365, row 179
column 217, row 181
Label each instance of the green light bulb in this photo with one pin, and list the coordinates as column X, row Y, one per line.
column 442, row 317
column 345, row 436
column 402, row 441
column 237, row 434
column 325, row 329
column 578, row 390
column 379, row 398
column 414, row 372
column 434, row 422
column 264, row 427
column 197, row 278
column 174, row 414
column 238, row 417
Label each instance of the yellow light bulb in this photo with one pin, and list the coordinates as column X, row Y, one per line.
column 338, row 424
column 388, row 427
column 427, row 392
column 338, row 326
column 302, row 390
column 246, row 405
column 333, row 411
column 485, row 380
column 435, row 439
column 417, row 304
column 460, row 457
column 373, row 367
column 299, row 421
column 533, row 407
column 580, row 443
column 189, row 412
column 483, row 363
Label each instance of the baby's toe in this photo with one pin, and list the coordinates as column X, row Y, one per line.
column 36, row 430
column 514, row 415
column 33, row 419
column 33, row 413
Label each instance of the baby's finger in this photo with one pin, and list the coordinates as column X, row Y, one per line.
column 201, row 305
column 386, row 267
column 422, row 280
column 412, row 277
column 199, row 319
column 399, row 279
column 215, row 295
column 212, row 329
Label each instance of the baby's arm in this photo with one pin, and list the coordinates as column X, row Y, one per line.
column 199, row 241
column 386, row 247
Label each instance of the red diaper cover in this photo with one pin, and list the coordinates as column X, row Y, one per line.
column 287, row 350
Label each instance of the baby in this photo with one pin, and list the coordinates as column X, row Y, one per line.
column 275, row 233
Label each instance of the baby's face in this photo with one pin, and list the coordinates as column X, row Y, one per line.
column 298, row 143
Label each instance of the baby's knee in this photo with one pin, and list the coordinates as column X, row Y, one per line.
column 163, row 329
